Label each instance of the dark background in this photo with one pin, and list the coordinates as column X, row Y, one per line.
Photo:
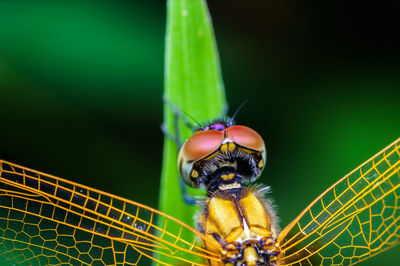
column 81, row 85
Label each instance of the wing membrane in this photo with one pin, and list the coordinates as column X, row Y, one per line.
column 48, row 220
column 356, row 218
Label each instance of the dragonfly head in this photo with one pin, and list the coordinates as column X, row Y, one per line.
column 221, row 145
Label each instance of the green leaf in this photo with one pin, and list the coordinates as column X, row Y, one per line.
column 193, row 84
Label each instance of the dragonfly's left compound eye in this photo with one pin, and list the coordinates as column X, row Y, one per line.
column 197, row 147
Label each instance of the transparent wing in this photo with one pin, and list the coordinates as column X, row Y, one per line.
column 356, row 218
column 48, row 220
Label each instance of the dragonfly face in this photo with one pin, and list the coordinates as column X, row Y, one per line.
column 47, row 220
column 221, row 145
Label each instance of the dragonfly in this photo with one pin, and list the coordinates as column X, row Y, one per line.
column 48, row 220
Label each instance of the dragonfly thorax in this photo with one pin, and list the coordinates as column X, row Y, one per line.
column 240, row 220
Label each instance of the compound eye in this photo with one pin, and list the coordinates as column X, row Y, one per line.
column 245, row 137
column 201, row 144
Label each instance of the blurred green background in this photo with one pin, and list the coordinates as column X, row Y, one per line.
column 81, row 87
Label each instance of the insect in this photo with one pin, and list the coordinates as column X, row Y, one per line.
column 224, row 157
column 45, row 219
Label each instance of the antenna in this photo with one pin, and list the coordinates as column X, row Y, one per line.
column 237, row 111
column 191, row 117
column 178, row 112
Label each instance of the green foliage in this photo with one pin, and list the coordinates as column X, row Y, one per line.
column 193, row 83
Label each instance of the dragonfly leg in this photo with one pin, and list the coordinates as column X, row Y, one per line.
column 174, row 137
column 178, row 113
column 186, row 197
column 189, row 200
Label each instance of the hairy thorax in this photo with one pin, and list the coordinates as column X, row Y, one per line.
column 244, row 224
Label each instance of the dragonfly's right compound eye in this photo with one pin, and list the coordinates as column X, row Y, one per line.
column 201, row 145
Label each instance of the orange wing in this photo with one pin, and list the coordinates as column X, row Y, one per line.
column 356, row 218
column 48, row 220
